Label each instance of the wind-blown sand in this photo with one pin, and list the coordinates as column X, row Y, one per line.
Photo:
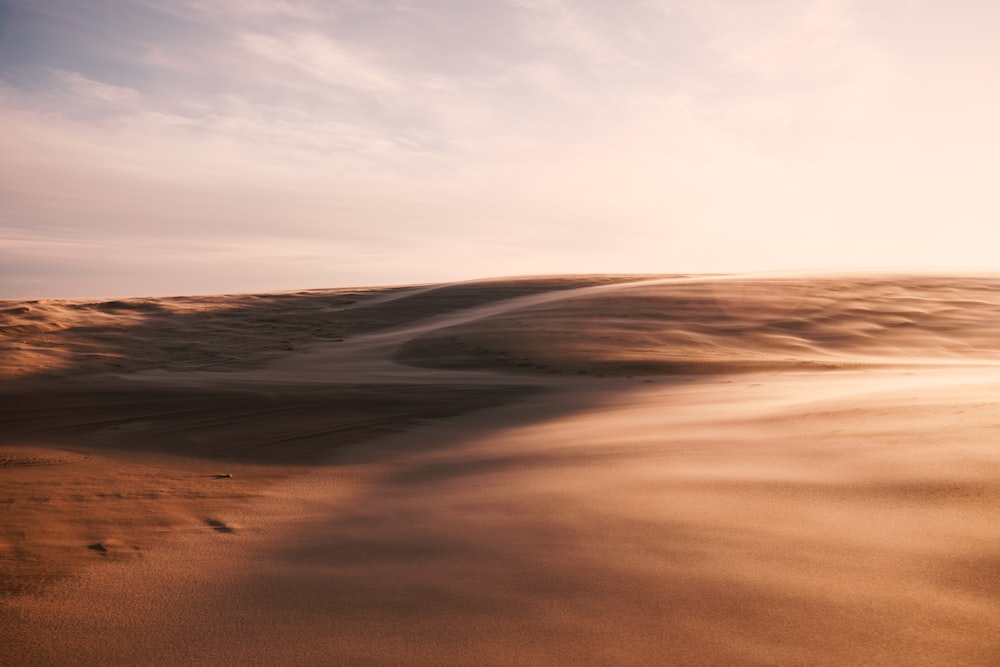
column 604, row 470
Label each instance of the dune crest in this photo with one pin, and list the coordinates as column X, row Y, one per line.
column 713, row 325
column 228, row 331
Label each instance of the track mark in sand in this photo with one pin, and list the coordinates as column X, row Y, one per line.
column 99, row 548
column 219, row 526
column 14, row 456
column 114, row 549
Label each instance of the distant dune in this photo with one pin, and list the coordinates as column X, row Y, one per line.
column 716, row 325
column 627, row 325
column 229, row 331
column 627, row 470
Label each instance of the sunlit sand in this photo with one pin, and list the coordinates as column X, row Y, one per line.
column 606, row 470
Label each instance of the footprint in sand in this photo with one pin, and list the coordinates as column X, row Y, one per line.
column 115, row 549
column 219, row 526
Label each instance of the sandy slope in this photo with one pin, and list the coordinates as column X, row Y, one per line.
column 489, row 500
column 698, row 325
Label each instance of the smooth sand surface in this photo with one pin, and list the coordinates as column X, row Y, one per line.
column 577, row 470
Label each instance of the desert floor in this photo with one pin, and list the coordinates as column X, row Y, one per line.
column 607, row 470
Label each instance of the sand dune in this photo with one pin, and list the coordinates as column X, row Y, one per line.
column 713, row 325
column 796, row 471
column 225, row 332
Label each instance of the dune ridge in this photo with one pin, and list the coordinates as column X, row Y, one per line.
column 734, row 325
column 228, row 331
column 676, row 324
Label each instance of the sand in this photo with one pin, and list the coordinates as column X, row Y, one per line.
column 607, row 470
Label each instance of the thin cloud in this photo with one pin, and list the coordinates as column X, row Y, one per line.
column 555, row 23
column 302, row 10
column 96, row 90
column 315, row 55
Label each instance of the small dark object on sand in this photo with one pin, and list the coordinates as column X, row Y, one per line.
column 222, row 476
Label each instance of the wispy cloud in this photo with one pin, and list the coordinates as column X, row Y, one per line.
column 118, row 97
column 316, row 56
column 304, row 10
column 562, row 25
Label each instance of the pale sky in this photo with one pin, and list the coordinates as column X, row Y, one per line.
column 203, row 146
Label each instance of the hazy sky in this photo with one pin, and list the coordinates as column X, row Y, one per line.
column 182, row 146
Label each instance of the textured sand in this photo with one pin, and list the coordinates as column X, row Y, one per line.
column 795, row 471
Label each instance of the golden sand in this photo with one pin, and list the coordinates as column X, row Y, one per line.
column 577, row 470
